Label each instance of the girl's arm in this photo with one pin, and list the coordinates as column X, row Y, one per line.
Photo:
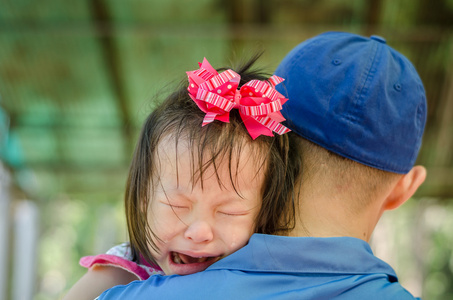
column 97, row 280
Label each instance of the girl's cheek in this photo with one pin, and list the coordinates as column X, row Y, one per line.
column 167, row 224
column 240, row 236
column 234, row 243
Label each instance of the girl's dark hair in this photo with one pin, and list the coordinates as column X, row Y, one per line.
column 178, row 117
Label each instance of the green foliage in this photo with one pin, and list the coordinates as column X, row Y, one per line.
column 416, row 240
column 74, row 227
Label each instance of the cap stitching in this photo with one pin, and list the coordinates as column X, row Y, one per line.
column 352, row 114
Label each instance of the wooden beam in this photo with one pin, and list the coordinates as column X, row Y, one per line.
column 112, row 61
column 373, row 15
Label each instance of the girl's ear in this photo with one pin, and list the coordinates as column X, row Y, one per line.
column 405, row 187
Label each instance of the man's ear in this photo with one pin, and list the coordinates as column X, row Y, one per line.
column 405, row 187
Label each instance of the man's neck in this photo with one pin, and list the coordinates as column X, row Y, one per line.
column 330, row 216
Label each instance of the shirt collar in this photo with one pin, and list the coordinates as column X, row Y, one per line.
column 332, row 255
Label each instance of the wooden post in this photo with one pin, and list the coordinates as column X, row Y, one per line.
column 25, row 249
column 4, row 229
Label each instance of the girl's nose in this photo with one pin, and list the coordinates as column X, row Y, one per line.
column 199, row 232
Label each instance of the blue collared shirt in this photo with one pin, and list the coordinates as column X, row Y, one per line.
column 276, row 267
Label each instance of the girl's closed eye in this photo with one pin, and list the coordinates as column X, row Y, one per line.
column 227, row 213
column 175, row 205
column 234, row 211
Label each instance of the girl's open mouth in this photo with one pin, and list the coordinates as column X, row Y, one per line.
column 179, row 258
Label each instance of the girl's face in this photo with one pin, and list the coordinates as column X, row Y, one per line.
column 198, row 226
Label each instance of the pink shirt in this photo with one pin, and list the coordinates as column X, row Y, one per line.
column 120, row 256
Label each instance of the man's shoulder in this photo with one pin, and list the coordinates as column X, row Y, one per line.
column 234, row 284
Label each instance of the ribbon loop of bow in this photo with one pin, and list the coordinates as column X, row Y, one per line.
column 258, row 102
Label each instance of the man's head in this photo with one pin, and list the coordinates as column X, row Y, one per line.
column 356, row 97
column 363, row 102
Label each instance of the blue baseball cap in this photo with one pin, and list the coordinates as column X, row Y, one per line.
column 356, row 97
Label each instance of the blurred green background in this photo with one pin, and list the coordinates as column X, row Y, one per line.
column 77, row 78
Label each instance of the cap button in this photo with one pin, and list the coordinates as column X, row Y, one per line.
column 378, row 38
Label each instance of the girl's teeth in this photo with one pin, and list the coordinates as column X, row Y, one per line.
column 185, row 259
column 177, row 259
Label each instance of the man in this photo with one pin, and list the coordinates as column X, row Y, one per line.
column 357, row 109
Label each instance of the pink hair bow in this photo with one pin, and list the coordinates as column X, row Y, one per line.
column 258, row 102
